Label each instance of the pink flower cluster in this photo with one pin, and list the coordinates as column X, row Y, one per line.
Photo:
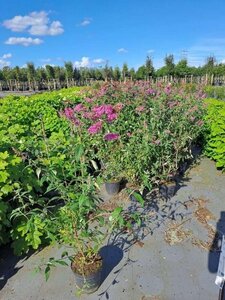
column 168, row 90
column 140, row 108
column 95, row 128
column 69, row 114
column 151, row 91
column 105, row 109
column 111, row 136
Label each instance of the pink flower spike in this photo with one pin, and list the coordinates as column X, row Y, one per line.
column 111, row 136
column 111, row 117
column 89, row 100
column 76, row 122
column 79, row 107
column 69, row 113
column 151, row 91
column 95, row 128
column 99, row 110
column 140, row 108
column 200, row 123
column 108, row 109
column 168, row 90
column 117, row 107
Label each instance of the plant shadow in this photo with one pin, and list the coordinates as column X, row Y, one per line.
column 8, row 263
column 112, row 255
column 215, row 249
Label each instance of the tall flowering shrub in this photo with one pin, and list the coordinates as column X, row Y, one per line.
column 139, row 130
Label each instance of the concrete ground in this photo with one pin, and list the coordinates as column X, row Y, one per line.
column 171, row 259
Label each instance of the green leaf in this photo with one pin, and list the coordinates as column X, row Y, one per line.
column 61, row 262
column 47, row 272
column 139, row 198
column 65, row 253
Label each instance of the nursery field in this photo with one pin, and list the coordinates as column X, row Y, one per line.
column 60, row 151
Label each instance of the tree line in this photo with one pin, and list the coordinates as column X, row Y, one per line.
column 68, row 72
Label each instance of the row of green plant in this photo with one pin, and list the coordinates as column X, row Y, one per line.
column 217, row 92
column 25, row 123
column 56, row 150
column 215, row 118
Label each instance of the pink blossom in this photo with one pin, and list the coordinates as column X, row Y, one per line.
column 172, row 104
column 168, row 90
column 95, row 128
column 192, row 119
column 89, row 115
column 89, row 100
column 108, row 109
column 111, row 136
column 118, row 107
column 151, row 91
column 79, row 107
column 140, row 108
column 69, row 113
column 103, row 109
column 76, row 122
column 200, row 123
column 111, row 117
column 157, row 142
column 99, row 110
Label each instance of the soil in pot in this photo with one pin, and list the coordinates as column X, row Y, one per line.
column 88, row 274
column 112, row 188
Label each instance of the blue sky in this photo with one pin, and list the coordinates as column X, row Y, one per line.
column 93, row 32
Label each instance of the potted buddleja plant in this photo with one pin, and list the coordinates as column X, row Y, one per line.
column 83, row 227
column 76, row 221
column 112, row 176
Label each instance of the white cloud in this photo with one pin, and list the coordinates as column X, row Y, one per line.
column 198, row 53
column 86, row 62
column 122, row 50
column 83, row 63
column 23, row 41
column 36, row 23
column 150, row 51
column 7, row 55
column 98, row 61
column 86, row 22
column 4, row 62
column 54, row 28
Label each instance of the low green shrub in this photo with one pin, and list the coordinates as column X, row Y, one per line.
column 217, row 92
column 215, row 119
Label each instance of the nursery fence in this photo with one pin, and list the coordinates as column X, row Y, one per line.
column 54, row 84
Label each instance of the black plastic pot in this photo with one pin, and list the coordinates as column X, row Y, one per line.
column 112, row 188
column 88, row 284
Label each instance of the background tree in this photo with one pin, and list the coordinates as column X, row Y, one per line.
column 31, row 74
column 106, row 72
column 209, row 66
column 68, row 71
column 125, row 71
column 181, row 69
column 132, row 73
column 149, row 68
column 169, row 63
column 50, row 72
column 141, row 73
column 117, row 73
column 98, row 74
